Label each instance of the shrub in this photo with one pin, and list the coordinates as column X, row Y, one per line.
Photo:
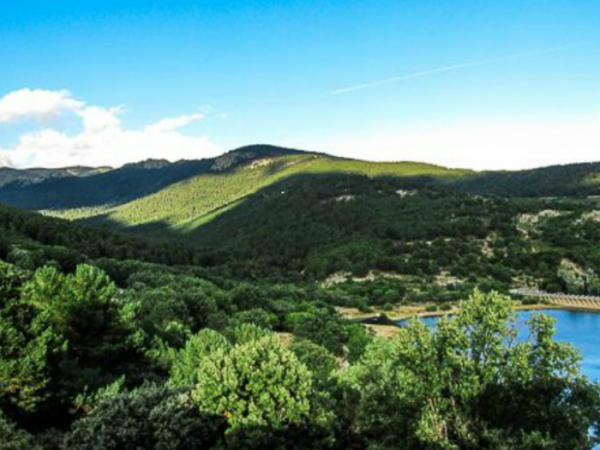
column 199, row 346
column 151, row 418
column 259, row 383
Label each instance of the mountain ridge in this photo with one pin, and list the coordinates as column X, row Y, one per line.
column 155, row 194
column 112, row 186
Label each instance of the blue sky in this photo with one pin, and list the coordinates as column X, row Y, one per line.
column 483, row 84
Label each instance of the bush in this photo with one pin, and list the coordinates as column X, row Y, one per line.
column 247, row 332
column 256, row 316
column 151, row 418
column 259, row 383
column 13, row 438
column 185, row 366
column 320, row 361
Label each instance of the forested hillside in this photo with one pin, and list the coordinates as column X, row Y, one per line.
column 33, row 176
column 446, row 240
column 147, row 331
column 114, row 342
column 193, row 201
column 63, row 189
column 158, row 195
column 554, row 181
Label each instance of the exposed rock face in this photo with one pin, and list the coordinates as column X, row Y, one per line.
column 576, row 279
column 591, row 216
column 527, row 223
column 249, row 153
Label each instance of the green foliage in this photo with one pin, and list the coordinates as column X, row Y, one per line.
column 273, row 241
column 11, row 279
column 257, row 383
column 179, row 205
column 87, row 401
column 29, row 349
column 563, row 180
column 358, row 339
column 31, row 241
column 436, row 242
column 446, row 388
column 319, row 327
column 247, row 332
column 14, row 438
column 320, row 361
column 256, row 316
column 184, row 372
column 150, row 417
column 83, row 321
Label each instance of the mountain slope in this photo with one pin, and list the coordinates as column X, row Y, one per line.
column 157, row 195
column 326, row 220
column 191, row 202
column 113, row 187
column 336, row 227
column 197, row 200
column 565, row 180
column 26, row 177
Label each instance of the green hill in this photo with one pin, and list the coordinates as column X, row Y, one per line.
column 64, row 189
column 155, row 195
column 553, row 181
column 194, row 201
column 312, row 227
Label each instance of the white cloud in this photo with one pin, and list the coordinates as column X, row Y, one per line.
column 36, row 104
column 103, row 139
column 502, row 143
column 5, row 161
column 174, row 123
column 97, row 119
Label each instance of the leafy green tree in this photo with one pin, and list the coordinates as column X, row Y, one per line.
column 45, row 291
column 358, row 339
column 11, row 279
column 247, row 332
column 320, row 361
column 256, row 316
column 184, row 372
column 150, row 417
column 320, row 327
column 29, row 354
column 83, row 309
column 256, row 384
column 13, row 438
column 444, row 389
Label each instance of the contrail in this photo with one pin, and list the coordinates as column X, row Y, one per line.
column 453, row 67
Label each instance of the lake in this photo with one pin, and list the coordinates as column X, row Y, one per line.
column 582, row 329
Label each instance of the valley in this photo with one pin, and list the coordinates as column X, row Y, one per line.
column 296, row 225
column 274, row 253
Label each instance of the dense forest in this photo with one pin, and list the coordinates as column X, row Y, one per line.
column 440, row 243
column 101, row 352
column 187, row 193
column 222, row 330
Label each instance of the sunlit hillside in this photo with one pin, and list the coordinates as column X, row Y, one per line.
column 195, row 200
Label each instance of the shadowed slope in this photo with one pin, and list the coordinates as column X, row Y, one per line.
column 120, row 185
column 196, row 200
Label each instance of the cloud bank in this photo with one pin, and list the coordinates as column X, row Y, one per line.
column 102, row 139
column 499, row 143
column 36, row 104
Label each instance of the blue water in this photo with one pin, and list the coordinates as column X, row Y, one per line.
column 582, row 329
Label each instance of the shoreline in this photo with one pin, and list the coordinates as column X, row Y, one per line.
column 419, row 311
